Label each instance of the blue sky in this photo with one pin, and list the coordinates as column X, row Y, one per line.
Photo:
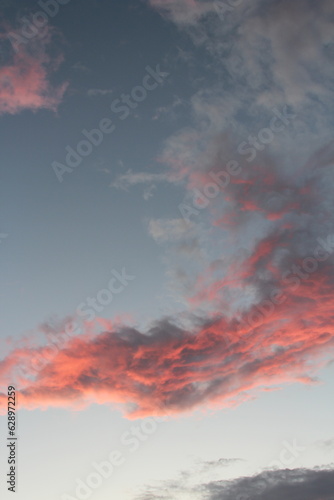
column 167, row 248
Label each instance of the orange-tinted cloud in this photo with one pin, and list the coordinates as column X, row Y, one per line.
column 168, row 370
column 284, row 334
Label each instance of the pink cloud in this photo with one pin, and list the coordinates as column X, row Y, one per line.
column 224, row 358
column 169, row 370
column 25, row 79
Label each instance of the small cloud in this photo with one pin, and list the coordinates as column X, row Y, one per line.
column 222, row 462
column 170, row 229
column 169, row 111
column 130, row 179
column 148, row 193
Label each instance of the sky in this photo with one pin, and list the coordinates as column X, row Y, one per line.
column 167, row 249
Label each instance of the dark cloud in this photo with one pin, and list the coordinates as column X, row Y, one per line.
column 299, row 484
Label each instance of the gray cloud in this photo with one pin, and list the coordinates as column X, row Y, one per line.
column 298, row 484
column 125, row 181
column 283, row 193
column 170, row 229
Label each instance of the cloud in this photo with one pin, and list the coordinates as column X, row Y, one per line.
column 184, row 12
column 148, row 179
column 189, row 481
column 259, row 73
column 256, row 66
column 296, row 60
column 169, row 111
column 260, row 297
column 25, row 78
column 170, row 229
column 211, row 465
column 216, row 362
column 298, row 484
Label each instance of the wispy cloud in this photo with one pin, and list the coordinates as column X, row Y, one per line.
column 190, row 481
column 130, row 179
column 170, row 229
